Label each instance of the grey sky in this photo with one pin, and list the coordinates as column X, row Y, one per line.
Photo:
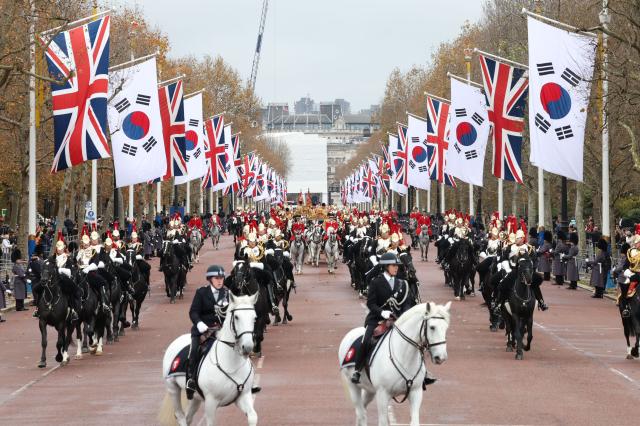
column 328, row 49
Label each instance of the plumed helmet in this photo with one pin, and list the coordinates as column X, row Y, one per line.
column 94, row 236
column 389, row 259
column 85, row 239
column 108, row 242
column 573, row 237
column 519, row 233
column 115, row 233
column 548, row 237
column 512, row 238
column 134, row 234
column 261, row 226
column 215, row 271
column 384, row 228
column 277, row 233
column 252, row 237
column 495, row 231
column 395, row 238
column 60, row 245
column 602, row 244
column 272, row 221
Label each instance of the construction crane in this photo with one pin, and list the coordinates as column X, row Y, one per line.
column 256, row 56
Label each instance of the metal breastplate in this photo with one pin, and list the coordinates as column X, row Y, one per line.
column 634, row 259
column 61, row 260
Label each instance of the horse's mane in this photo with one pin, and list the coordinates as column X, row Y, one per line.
column 421, row 309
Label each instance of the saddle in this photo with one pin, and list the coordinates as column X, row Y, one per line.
column 179, row 365
column 378, row 334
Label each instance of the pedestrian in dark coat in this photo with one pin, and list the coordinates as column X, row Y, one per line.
column 621, row 279
column 571, row 259
column 544, row 256
column 600, row 269
column 558, row 266
column 20, row 284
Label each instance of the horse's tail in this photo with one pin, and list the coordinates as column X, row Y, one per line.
column 166, row 415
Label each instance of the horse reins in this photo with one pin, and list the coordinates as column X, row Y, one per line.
column 420, row 347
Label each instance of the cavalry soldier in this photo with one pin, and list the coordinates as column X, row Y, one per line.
column 66, row 270
column 330, row 223
column 255, row 254
column 208, row 310
column 384, row 240
column 123, row 270
column 88, row 262
column 558, row 264
column 627, row 273
column 115, row 237
column 519, row 246
column 493, row 247
column 387, row 298
column 136, row 246
column 297, row 226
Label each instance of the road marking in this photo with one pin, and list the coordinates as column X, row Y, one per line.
column 620, row 373
column 31, row 383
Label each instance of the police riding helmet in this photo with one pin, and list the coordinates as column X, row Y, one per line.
column 389, row 259
column 215, row 271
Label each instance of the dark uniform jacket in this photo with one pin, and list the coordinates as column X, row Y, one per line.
column 378, row 298
column 203, row 308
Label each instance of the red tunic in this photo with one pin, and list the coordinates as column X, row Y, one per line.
column 296, row 227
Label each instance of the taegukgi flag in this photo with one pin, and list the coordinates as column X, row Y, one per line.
column 135, row 124
column 418, row 163
column 469, row 133
column 561, row 67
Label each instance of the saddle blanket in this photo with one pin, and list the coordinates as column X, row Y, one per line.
column 378, row 335
column 350, row 358
column 180, row 363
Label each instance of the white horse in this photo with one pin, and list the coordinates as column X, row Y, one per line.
column 423, row 241
column 195, row 241
column 315, row 245
column 214, row 233
column 331, row 251
column 226, row 374
column 398, row 366
column 296, row 249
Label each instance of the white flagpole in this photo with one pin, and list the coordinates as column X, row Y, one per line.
column 211, row 200
column 131, row 201
column 201, row 200
column 429, row 200
column 158, row 197
column 540, row 197
column 442, row 197
column 406, row 201
column 467, row 58
column 32, row 121
column 188, row 207
column 417, row 203
column 392, row 200
column 500, row 198
column 604, row 21
column 94, row 187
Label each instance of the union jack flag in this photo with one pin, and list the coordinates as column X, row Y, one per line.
column 399, row 157
column 237, row 162
column 247, row 174
column 438, row 140
column 172, row 114
column 79, row 59
column 505, row 89
column 216, row 155
column 384, row 168
column 367, row 181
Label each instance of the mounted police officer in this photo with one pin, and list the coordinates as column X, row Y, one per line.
column 207, row 311
column 387, row 298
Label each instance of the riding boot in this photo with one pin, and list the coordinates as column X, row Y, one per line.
column 547, row 276
column 623, row 303
column 272, row 298
column 105, row 299
column 573, row 285
column 192, row 366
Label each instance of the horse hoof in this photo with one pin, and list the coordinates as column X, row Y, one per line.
column 59, row 358
column 519, row 356
column 99, row 352
column 457, row 297
column 634, row 352
column 509, row 348
column 284, row 321
column 289, row 317
column 64, row 362
column 493, row 328
column 78, row 357
column 527, row 348
column 629, row 356
column 93, row 351
column 134, row 326
column 121, row 333
column 42, row 364
column 85, row 350
column 473, row 294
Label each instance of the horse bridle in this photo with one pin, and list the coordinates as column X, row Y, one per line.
column 420, row 347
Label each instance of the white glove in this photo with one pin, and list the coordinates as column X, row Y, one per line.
column 118, row 260
column 627, row 273
column 269, row 252
column 9, row 292
column 139, row 257
column 202, row 327
column 65, row 271
column 550, row 250
column 286, row 254
column 587, row 260
column 506, row 266
column 385, row 314
column 175, row 242
column 90, row 268
column 561, row 255
column 101, row 264
column 499, row 266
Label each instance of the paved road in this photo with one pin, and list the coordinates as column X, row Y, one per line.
column 575, row 374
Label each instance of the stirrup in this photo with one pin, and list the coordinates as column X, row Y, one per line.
column 355, row 377
column 626, row 313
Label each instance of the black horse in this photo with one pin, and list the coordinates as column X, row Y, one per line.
column 362, row 251
column 518, row 309
column 174, row 273
column 460, row 258
column 283, row 278
column 140, row 286
column 407, row 272
column 245, row 280
column 87, row 316
column 53, row 310
column 486, row 270
column 631, row 325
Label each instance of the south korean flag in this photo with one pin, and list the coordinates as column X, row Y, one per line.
column 135, row 124
column 469, row 133
column 561, row 67
column 194, row 138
